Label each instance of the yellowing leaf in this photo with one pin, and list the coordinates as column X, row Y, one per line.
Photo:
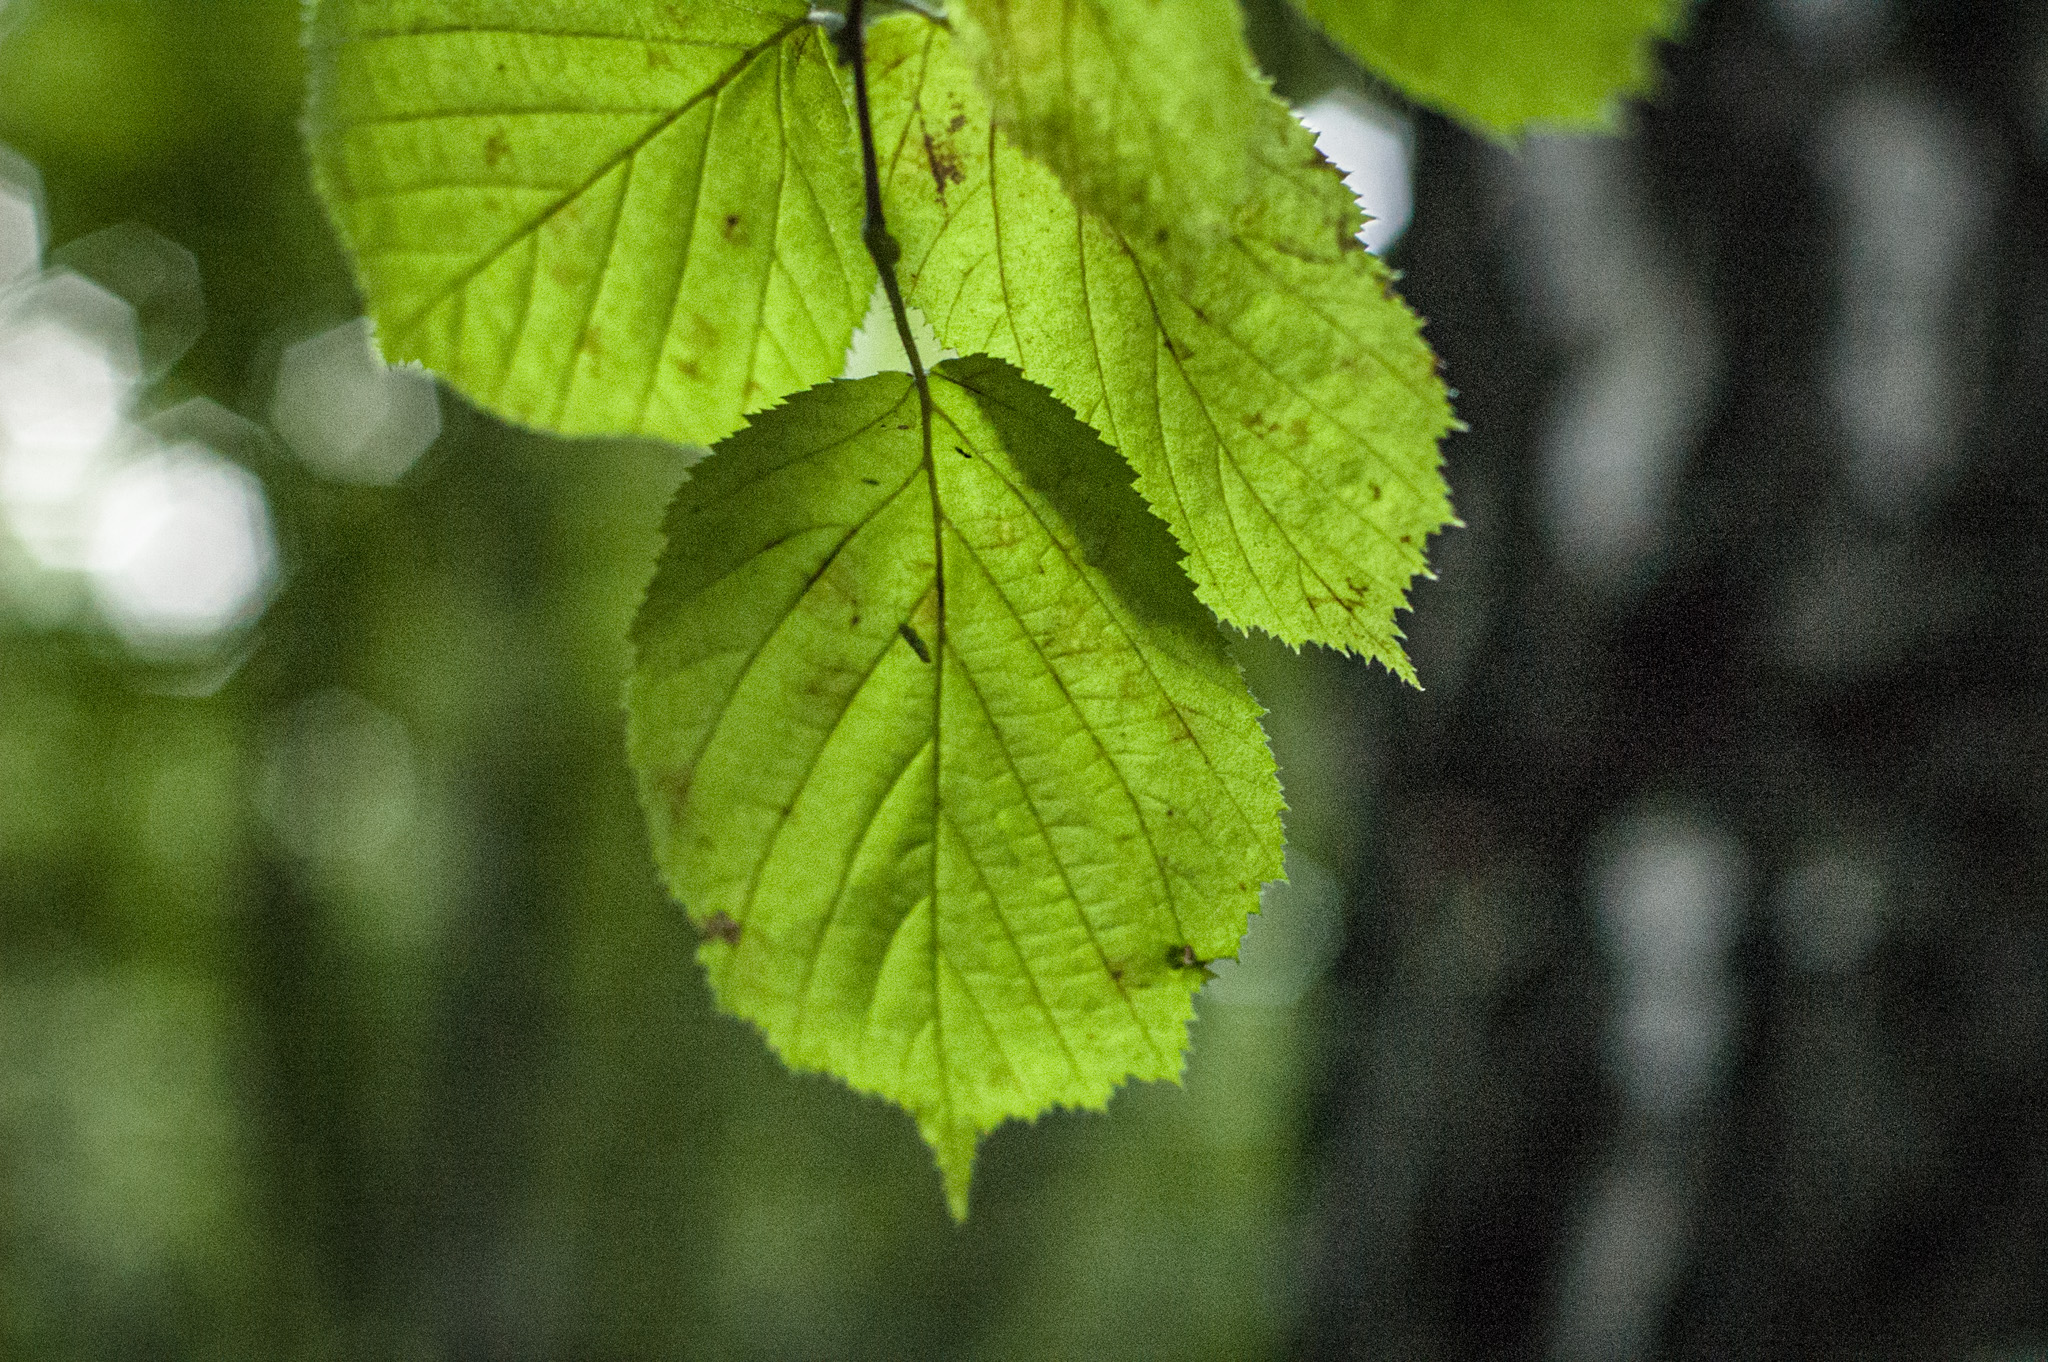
column 1145, row 109
column 940, row 753
column 1508, row 65
column 595, row 217
column 1275, row 397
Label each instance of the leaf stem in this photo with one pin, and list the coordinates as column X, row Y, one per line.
column 874, row 231
column 874, row 228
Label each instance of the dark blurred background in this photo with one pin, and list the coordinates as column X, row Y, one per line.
column 1669, row 979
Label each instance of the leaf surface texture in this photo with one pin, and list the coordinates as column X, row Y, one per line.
column 1145, row 109
column 594, row 217
column 942, row 755
column 1506, row 66
column 1275, row 397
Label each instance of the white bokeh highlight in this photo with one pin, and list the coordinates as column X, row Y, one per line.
column 1668, row 889
column 1916, row 205
column 1644, row 361
column 181, row 549
column 1374, row 149
column 1667, row 899
column 142, row 527
column 68, row 372
column 59, row 390
column 348, row 415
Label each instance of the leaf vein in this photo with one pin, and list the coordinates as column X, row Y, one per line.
column 1045, row 834
column 624, row 156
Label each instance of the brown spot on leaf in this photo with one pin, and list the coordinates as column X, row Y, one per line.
column 945, row 164
column 735, row 229
column 496, row 149
column 721, row 927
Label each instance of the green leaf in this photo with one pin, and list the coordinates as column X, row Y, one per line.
column 1275, row 397
column 1505, row 66
column 1144, row 108
column 941, row 755
column 595, row 217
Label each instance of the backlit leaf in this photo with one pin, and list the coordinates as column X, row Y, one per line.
column 1275, row 397
column 1508, row 65
column 1144, row 108
column 942, row 756
column 590, row 216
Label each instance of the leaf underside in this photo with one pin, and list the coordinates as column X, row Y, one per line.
column 1508, row 66
column 1275, row 397
column 1143, row 108
column 592, row 217
column 942, row 756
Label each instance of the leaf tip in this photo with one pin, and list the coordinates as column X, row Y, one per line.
column 1395, row 659
column 953, row 1148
